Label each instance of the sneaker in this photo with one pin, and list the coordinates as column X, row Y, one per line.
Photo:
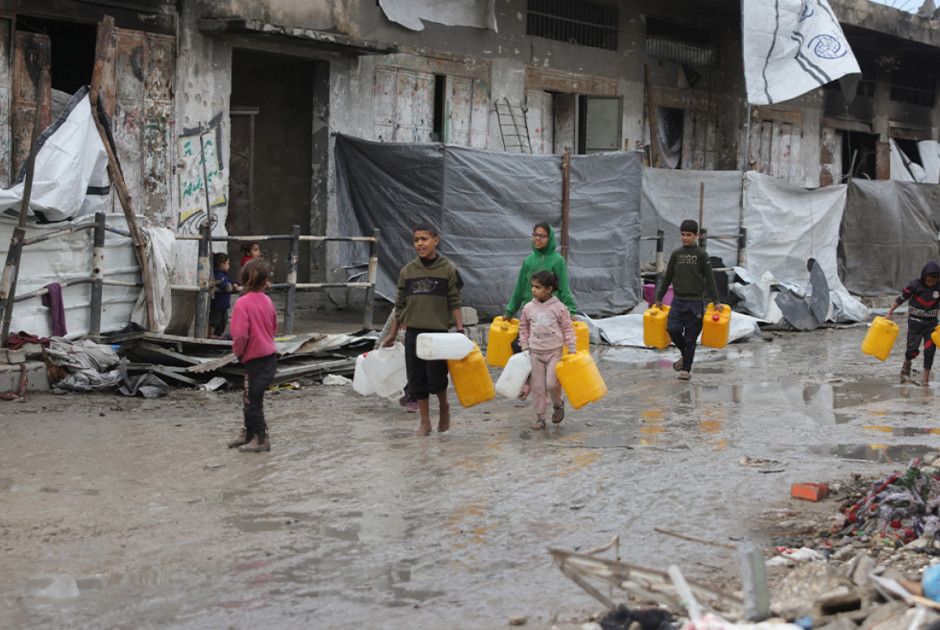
column 558, row 413
column 257, row 444
column 411, row 406
column 684, row 375
column 677, row 366
column 242, row 439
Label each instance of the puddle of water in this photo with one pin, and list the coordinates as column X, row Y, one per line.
column 881, row 453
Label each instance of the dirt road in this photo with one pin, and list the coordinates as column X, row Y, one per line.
column 129, row 513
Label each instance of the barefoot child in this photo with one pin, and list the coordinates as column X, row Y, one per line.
column 544, row 329
column 428, row 298
column 924, row 295
column 254, row 324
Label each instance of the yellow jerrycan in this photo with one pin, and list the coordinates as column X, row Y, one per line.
column 654, row 327
column 881, row 337
column 716, row 326
column 582, row 337
column 502, row 334
column 471, row 378
column 580, row 379
column 935, row 336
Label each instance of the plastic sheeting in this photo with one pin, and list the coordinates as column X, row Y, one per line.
column 410, row 13
column 71, row 173
column 484, row 205
column 889, row 232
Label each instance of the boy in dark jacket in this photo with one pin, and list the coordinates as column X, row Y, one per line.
column 689, row 272
column 924, row 295
column 428, row 298
column 222, row 289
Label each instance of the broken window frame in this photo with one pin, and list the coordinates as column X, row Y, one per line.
column 578, row 22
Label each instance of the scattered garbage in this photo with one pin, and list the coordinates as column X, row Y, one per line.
column 336, row 379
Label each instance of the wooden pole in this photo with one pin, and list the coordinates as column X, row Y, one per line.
column 565, row 196
column 701, row 205
column 12, row 266
column 104, row 51
column 655, row 158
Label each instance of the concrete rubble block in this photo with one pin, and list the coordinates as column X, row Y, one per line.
column 799, row 590
column 839, row 600
column 859, row 568
column 840, row 623
column 35, row 373
column 889, row 616
column 8, row 356
column 469, row 315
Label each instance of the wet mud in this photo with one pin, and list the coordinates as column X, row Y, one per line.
column 128, row 513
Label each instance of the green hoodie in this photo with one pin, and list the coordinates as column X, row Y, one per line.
column 550, row 260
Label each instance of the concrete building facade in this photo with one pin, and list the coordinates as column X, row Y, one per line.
column 225, row 109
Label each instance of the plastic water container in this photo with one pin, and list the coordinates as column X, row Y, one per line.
column 499, row 346
column 880, row 338
column 582, row 338
column 514, row 376
column 580, row 379
column 654, row 327
column 471, row 378
column 361, row 383
column 716, row 326
column 443, row 346
column 385, row 370
column 935, row 336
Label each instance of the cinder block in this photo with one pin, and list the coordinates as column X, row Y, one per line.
column 35, row 373
column 469, row 316
column 809, row 491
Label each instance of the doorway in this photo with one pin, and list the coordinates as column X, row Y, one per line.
column 272, row 154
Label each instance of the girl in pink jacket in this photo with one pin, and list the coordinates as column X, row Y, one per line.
column 254, row 324
column 544, row 329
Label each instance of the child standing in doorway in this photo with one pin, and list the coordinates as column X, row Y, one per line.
column 254, row 324
column 924, row 294
column 690, row 273
column 222, row 289
column 544, row 329
column 428, row 299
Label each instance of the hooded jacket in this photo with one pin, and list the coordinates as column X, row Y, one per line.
column 541, row 259
column 546, row 326
column 925, row 301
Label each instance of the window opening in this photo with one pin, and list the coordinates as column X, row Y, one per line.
column 682, row 43
column 913, row 88
column 440, row 100
column 72, row 48
column 574, row 21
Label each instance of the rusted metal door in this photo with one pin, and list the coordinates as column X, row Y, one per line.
column 32, row 52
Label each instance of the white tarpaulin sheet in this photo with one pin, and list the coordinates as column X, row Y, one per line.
column 791, row 47
column 786, row 224
column 410, row 13
column 627, row 330
column 71, row 173
column 68, row 258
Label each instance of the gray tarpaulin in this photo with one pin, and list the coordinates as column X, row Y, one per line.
column 888, row 233
column 484, row 204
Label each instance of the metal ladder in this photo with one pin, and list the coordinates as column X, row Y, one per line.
column 513, row 127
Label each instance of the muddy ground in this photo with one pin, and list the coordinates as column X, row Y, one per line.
column 127, row 513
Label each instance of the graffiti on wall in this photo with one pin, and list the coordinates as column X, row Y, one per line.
column 199, row 176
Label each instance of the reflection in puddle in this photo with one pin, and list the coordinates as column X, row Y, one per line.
column 881, row 453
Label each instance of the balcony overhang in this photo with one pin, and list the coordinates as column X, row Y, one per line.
column 275, row 33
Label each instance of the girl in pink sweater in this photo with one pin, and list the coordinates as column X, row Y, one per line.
column 544, row 329
column 254, row 324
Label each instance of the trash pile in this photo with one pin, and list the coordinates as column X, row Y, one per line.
column 871, row 564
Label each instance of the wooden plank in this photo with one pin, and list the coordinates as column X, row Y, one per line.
column 128, row 123
column 458, row 110
column 6, row 161
column 32, row 52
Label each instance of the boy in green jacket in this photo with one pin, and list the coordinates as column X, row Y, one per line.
column 428, row 297
column 543, row 258
column 689, row 272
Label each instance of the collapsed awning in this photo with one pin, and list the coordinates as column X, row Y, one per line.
column 323, row 40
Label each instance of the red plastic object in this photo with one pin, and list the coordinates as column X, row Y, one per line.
column 716, row 317
column 809, row 491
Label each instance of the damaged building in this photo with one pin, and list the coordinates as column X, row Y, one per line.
column 228, row 111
